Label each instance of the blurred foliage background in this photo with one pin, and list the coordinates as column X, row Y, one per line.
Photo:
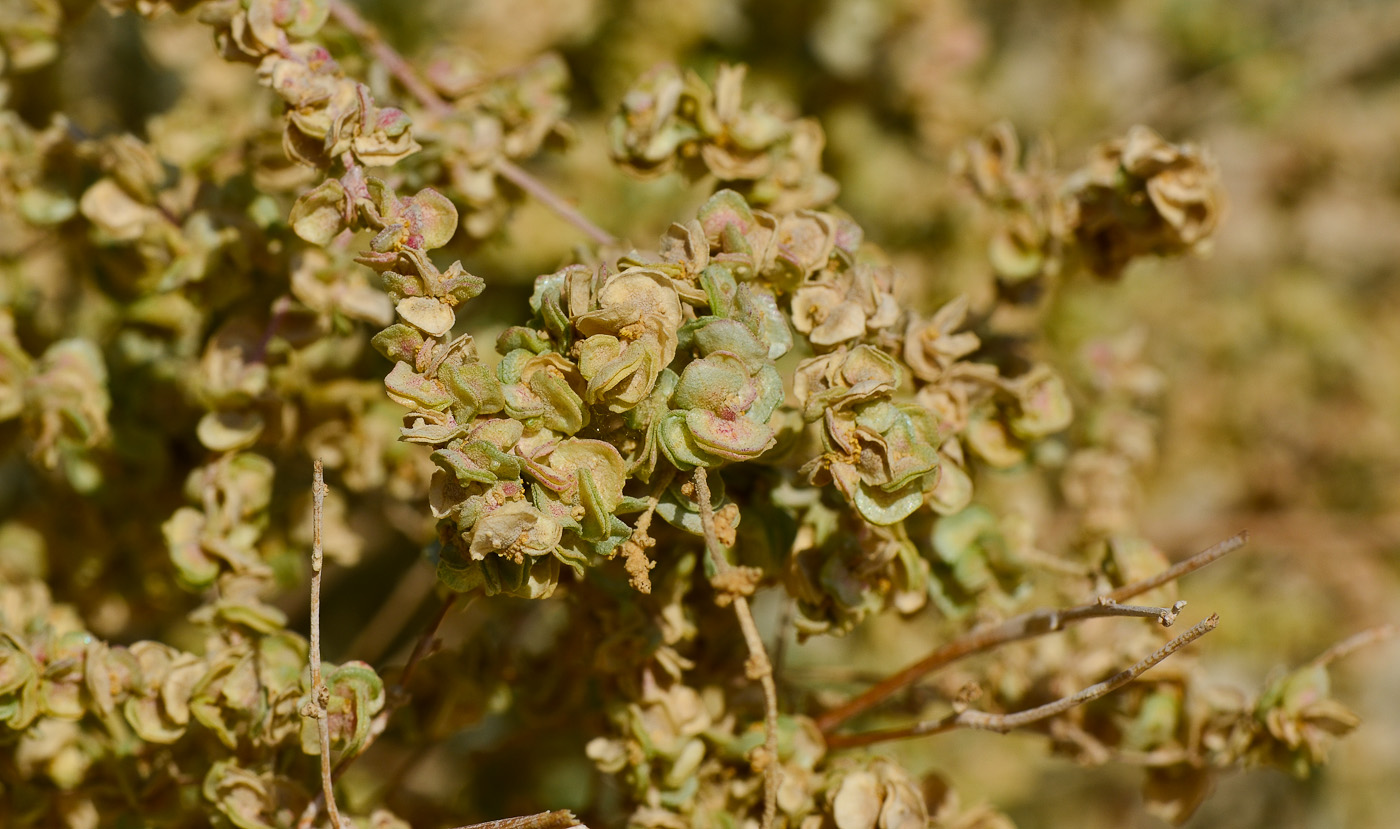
column 1281, row 348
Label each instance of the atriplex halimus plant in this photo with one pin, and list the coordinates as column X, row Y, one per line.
column 757, row 380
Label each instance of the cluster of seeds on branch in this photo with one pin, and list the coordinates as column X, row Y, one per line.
column 669, row 120
column 1136, row 196
column 669, row 359
column 493, row 118
column 328, row 114
column 61, row 399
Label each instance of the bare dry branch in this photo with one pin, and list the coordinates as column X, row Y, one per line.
column 1176, row 571
column 540, row 191
column 398, row 696
column 320, row 694
column 1025, row 626
column 400, row 68
column 1003, row 723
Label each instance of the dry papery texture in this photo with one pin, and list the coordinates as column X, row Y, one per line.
column 687, row 530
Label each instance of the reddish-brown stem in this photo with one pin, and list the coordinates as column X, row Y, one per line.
column 425, row 642
column 400, row 68
column 1176, row 571
column 1025, row 626
column 397, row 696
column 1356, row 642
column 1003, row 723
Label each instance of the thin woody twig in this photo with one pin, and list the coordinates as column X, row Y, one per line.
column 1024, row 626
column 424, row 643
column 397, row 699
column 561, row 819
column 423, row 91
column 1356, row 642
column 400, row 68
column 759, row 666
column 1105, row 607
column 1003, row 723
column 1172, row 756
column 1176, row 571
column 320, row 694
column 511, row 172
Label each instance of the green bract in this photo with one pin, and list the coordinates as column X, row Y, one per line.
column 720, row 411
column 159, row 709
column 19, row 684
column 357, row 694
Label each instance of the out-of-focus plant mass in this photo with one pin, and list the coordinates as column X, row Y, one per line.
column 720, row 405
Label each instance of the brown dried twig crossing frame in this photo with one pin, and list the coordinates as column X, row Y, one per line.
column 1025, row 626
column 1003, row 723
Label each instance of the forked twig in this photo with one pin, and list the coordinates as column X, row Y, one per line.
column 1024, row 626
column 423, row 91
column 1176, row 755
column 759, row 666
column 1003, row 723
